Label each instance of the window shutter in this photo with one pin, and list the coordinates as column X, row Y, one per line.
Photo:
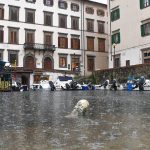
column 1, row 36
column 112, row 16
column 90, row 44
column 78, row 43
column 59, row 38
column 72, row 43
column 48, row 20
column 34, row 1
column 1, row 13
column 30, row 38
column 119, row 37
column 48, row 39
column 101, row 45
column 118, row 13
column 51, row 2
column 66, row 46
column 15, row 38
column 44, row 1
column 141, row 4
column 66, row 5
column 142, row 30
column 11, row 37
column 112, row 39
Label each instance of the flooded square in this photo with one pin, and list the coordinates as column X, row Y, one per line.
column 35, row 120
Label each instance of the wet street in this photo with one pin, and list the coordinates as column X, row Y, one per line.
column 36, row 120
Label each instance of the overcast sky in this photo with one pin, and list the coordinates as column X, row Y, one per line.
column 101, row 1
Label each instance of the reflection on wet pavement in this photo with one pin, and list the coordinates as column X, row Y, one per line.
column 36, row 120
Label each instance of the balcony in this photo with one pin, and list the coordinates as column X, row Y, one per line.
column 37, row 46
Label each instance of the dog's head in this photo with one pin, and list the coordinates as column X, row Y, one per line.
column 82, row 105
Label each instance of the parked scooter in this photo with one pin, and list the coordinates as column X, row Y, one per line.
column 114, row 85
column 141, row 83
column 91, row 86
column 73, row 85
column 105, row 84
column 53, row 88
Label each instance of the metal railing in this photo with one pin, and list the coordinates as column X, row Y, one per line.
column 37, row 46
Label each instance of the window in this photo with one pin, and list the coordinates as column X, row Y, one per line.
column 1, row 12
column 29, row 36
column 116, row 38
column 31, row 1
column 13, row 57
column 75, row 23
column 90, row 43
column 1, row 34
column 127, row 63
column 29, row 62
column 47, row 38
column 62, row 4
column 13, row 35
column 62, row 21
column 48, row 18
column 117, row 61
column 90, row 25
column 62, row 42
column 1, row 54
column 63, row 61
column 75, row 62
column 48, row 2
column 89, row 10
column 30, row 16
column 101, row 45
column 74, row 7
column 144, row 3
column 101, row 27
column 47, row 63
column 75, row 42
column 145, row 29
column 146, row 56
column 90, row 63
column 13, row 13
column 115, row 14
column 100, row 12
column 36, row 78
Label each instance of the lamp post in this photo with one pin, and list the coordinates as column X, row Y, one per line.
column 110, row 27
column 74, row 66
column 114, row 47
column 53, row 47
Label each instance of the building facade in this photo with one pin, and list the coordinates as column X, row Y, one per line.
column 129, row 27
column 40, row 38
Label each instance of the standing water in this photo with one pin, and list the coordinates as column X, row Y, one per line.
column 35, row 120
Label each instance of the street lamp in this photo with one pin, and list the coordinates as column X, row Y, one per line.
column 114, row 47
column 53, row 47
column 74, row 66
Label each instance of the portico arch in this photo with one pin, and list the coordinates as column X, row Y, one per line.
column 29, row 61
column 48, row 63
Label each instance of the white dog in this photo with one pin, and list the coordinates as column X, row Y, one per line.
column 81, row 107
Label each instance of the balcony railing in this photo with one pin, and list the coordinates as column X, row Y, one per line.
column 37, row 46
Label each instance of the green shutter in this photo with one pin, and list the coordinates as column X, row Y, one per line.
column 141, row 4
column 118, row 13
column 119, row 37
column 149, row 2
column 112, row 16
column 142, row 30
column 112, row 39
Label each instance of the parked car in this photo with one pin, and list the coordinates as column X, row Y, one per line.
column 60, row 83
